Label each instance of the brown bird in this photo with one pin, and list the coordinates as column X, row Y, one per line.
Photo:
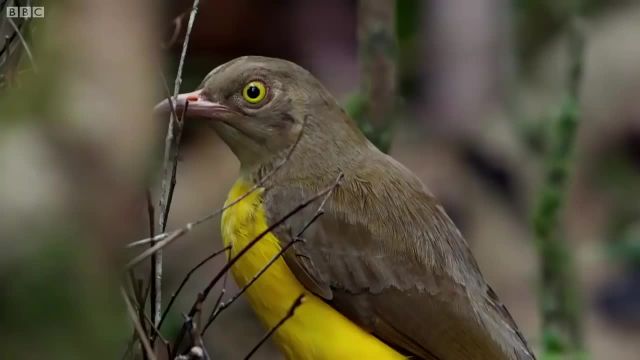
column 384, row 272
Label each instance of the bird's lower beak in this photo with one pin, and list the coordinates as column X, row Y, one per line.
column 198, row 106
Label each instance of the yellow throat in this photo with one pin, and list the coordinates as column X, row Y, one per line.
column 316, row 331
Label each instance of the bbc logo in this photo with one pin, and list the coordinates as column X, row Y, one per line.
column 25, row 11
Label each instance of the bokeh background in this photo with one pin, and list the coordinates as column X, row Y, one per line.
column 480, row 82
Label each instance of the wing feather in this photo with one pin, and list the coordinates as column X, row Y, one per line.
column 387, row 256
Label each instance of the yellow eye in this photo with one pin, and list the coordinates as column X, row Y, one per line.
column 254, row 92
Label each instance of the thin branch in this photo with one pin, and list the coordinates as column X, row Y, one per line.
column 218, row 302
column 140, row 296
column 149, row 240
column 136, row 286
column 187, row 323
column 197, row 338
column 138, row 293
column 197, row 349
column 289, row 314
column 140, row 331
column 186, row 279
column 172, row 106
column 217, row 310
column 185, row 45
column 174, row 169
column 152, row 289
column 24, row 44
column 172, row 142
column 156, row 331
column 151, row 213
column 158, row 245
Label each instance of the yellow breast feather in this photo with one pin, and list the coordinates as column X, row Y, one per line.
column 316, row 331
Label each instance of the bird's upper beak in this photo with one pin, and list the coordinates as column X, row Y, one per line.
column 198, row 106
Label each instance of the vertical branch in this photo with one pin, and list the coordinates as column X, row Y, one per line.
column 561, row 325
column 151, row 285
column 378, row 51
column 139, row 328
column 24, row 43
column 12, row 45
column 169, row 167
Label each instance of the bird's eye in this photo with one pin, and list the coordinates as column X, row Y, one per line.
column 254, row 92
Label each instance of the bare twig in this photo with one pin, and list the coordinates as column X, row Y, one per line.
column 136, row 286
column 218, row 302
column 159, row 245
column 172, row 142
column 217, row 310
column 136, row 323
column 198, row 350
column 186, row 279
column 24, row 44
column 174, row 160
column 197, row 338
column 151, row 213
column 151, row 290
column 172, row 107
column 185, row 45
column 156, row 331
column 149, row 240
column 288, row 316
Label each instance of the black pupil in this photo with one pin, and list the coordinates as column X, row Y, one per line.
column 253, row 92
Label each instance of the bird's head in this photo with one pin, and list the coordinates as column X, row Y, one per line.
column 259, row 107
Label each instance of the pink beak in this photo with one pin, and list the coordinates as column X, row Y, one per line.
column 198, row 106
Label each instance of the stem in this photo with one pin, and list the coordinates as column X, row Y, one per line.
column 560, row 300
column 378, row 47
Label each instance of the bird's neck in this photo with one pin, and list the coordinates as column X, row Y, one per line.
column 329, row 144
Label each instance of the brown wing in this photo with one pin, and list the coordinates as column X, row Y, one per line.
column 387, row 256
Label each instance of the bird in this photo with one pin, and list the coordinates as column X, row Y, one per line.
column 348, row 255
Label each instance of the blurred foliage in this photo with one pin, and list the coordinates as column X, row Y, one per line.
column 410, row 44
column 560, row 297
column 537, row 22
column 617, row 174
column 62, row 186
column 58, row 303
column 626, row 246
column 407, row 27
